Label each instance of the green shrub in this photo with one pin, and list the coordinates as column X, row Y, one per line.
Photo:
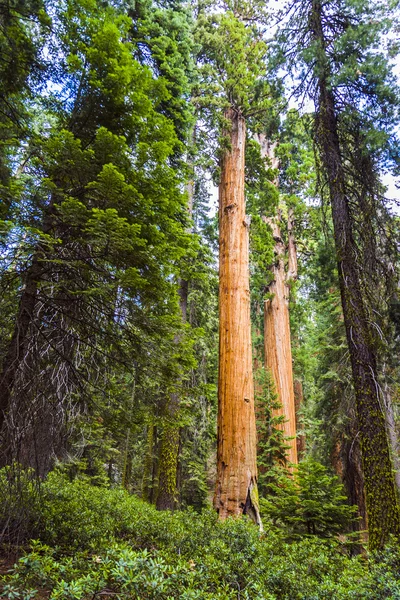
column 98, row 542
column 20, row 506
column 313, row 502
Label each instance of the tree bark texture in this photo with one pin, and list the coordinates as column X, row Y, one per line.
column 236, row 485
column 169, row 446
column 277, row 336
column 148, row 467
column 278, row 351
column 392, row 430
column 298, row 401
column 16, row 348
column 381, row 497
column 168, row 458
column 18, row 344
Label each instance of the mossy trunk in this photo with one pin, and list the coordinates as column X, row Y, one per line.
column 168, row 459
column 236, row 485
column 148, row 467
column 392, row 432
column 380, row 490
column 169, row 447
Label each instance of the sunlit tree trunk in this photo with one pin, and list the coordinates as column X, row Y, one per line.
column 278, row 351
column 277, row 337
column 292, row 274
column 236, row 485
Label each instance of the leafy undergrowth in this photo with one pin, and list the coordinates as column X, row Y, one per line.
column 103, row 543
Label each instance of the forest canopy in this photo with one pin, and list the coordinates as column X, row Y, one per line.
column 199, row 401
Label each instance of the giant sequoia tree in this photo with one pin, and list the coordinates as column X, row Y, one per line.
column 354, row 106
column 233, row 73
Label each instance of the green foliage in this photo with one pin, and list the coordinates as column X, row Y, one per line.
column 97, row 197
column 25, row 26
column 123, row 546
column 272, row 446
column 311, row 502
column 236, row 61
column 20, row 503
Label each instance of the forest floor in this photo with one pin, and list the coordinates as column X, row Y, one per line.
column 92, row 542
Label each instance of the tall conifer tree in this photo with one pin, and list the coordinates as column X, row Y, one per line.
column 234, row 57
column 355, row 101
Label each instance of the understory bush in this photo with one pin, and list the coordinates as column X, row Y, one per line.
column 310, row 502
column 95, row 542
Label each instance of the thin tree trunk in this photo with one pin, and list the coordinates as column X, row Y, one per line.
column 169, row 446
column 381, row 498
column 236, row 485
column 298, row 401
column 392, row 432
column 292, row 271
column 110, row 470
column 147, row 479
column 278, row 351
column 127, row 467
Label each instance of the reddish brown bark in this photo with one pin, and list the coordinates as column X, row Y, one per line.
column 236, row 485
column 277, row 338
column 278, row 351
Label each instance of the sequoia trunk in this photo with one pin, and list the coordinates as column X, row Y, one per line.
column 236, row 485
column 278, row 351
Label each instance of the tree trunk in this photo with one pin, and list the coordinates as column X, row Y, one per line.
column 147, row 480
column 298, row 401
column 278, row 351
column 381, row 498
column 391, row 430
column 17, row 346
column 26, row 310
column 169, row 446
column 168, row 458
column 277, row 337
column 236, row 485
column 258, row 360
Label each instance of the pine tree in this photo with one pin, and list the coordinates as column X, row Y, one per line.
column 102, row 232
column 342, row 71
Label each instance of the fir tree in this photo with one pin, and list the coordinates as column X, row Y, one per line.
column 355, row 107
